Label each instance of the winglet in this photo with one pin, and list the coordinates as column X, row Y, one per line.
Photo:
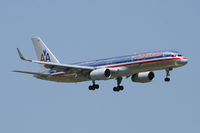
column 21, row 56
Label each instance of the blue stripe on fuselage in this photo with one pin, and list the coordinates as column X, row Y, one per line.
column 53, row 71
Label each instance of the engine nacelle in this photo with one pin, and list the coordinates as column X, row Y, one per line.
column 143, row 77
column 100, row 74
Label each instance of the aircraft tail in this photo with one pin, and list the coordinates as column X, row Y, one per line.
column 42, row 51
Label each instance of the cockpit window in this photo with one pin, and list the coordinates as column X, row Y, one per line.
column 179, row 55
column 173, row 55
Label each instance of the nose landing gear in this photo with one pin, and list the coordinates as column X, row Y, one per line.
column 167, row 79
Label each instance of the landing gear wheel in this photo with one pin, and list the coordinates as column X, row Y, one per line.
column 94, row 86
column 121, row 88
column 115, row 89
column 118, row 88
column 167, row 79
column 91, row 87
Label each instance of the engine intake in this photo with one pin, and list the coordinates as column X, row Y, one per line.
column 100, row 74
column 143, row 77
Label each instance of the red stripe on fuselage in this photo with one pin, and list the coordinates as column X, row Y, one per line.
column 58, row 74
column 122, row 65
column 183, row 58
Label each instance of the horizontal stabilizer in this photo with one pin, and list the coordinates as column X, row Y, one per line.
column 34, row 73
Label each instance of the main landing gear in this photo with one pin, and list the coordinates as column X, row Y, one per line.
column 116, row 89
column 119, row 87
column 167, row 79
column 94, row 86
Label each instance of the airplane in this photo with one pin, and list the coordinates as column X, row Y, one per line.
column 139, row 67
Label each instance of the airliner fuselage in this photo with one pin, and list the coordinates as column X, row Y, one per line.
column 123, row 66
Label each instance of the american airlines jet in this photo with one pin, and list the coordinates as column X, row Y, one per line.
column 137, row 66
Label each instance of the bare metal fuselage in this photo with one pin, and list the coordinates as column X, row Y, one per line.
column 122, row 71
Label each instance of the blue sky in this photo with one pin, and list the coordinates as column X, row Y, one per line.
column 84, row 30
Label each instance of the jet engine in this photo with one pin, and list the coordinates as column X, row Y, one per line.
column 100, row 74
column 143, row 77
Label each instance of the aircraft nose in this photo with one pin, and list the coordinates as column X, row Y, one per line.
column 184, row 60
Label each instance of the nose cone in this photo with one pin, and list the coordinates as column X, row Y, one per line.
column 184, row 61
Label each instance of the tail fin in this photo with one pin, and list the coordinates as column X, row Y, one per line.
column 42, row 52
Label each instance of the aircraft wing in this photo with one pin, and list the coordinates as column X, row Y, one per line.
column 63, row 67
column 59, row 66
column 34, row 73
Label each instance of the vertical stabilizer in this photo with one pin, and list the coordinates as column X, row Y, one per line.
column 42, row 52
